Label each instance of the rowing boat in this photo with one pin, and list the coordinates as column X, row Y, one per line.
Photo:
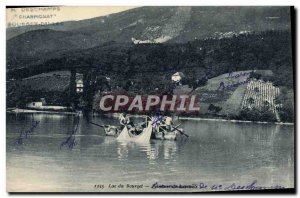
column 143, row 137
column 162, row 133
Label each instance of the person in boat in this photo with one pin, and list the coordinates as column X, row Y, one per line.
column 112, row 130
column 168, row 123
column 125, row 121
column 156, row 121
column 122, row 119
column 135, row 130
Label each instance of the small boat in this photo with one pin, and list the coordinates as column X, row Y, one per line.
column 143, row 137
column 141, row 132
column 164, row 134
column 110, row 130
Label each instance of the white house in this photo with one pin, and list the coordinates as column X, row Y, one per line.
column 177, row 77
column 41, row 105
column 34, row 105
column 79, row 86
column 38, row 104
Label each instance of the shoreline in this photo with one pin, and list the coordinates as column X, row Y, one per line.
column 116, row 115
column 240, row 121
column 17, row 110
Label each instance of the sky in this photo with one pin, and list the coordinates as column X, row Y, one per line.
column 43, row 15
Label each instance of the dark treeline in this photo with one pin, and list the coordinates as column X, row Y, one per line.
column 264, row 51
column 150, row 66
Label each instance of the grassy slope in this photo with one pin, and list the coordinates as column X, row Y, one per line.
column 230, row 99
column 52, row 81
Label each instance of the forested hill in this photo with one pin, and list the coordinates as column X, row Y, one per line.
column 151, row 65
column 32, row 44
column 212, row 57
column 177, row 23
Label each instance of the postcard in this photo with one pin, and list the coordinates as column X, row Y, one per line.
column 165, row 99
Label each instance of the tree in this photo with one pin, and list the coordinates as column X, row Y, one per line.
column 250, row 101
column 255, row 75
column 266, row 105
column 257, row 115
column 214, row 109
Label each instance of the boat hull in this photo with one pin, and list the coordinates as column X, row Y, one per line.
column 144, row 137
column 170, row 136
column 158, row 135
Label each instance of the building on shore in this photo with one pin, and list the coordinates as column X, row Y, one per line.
column 177, row 78
column 42, row 105
column 79, row 84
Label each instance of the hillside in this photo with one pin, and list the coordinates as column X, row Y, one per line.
column 52, row 81
column 36, row 46
column 145, row 23
column 147, row 69
column 155, row 63
column 215, row 101
column 32, row 44
column 245, row 95
column 229, row 97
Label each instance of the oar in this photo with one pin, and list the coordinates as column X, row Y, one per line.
column 180, row 130
column 176, row 126
column 98, row 125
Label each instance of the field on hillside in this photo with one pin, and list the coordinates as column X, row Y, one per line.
column 52, row 81
column 260, row 94
column 226, row 91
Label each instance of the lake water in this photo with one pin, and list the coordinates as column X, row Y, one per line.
column 218, row 153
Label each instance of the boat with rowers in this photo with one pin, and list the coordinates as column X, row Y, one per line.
column 161, row 128
column 143, row 137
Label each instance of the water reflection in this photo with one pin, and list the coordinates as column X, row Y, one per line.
column 221, row 151
column 170, row 149
column 123, row 150
column 154, row 150
column 267, row 139
column 71, row 140
column 151, row 152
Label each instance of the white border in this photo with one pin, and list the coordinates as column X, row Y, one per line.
column 151, row 2
column 4, row 3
